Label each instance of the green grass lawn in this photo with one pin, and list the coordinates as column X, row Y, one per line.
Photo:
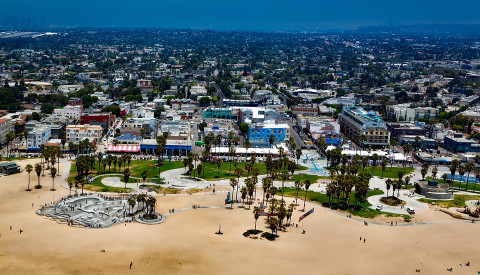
column 97, row 185
column 458, row 201
column 213, row 173
column 456, row 184
column 304, row 177
column 362, row 210
column 136, row 168
column 390, row 172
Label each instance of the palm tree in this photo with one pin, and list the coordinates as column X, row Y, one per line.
column 126, row 176
column 434, row 172
column 461, row 172
column 374, row 161
column 284, row 177
column 256, row 215
column 388, row 183
column 29, row 169
column 364, row 162
column 266, row 183
column 298, row 185
column 233, row 184
column 38, row 170
column 104, row 164
column 307, row 186
column 477, row 176
column 468, row 168
column 82, row 183
column 243, row 192
column 99, row 158
column 70, row 185
column 218, row 161
column 131, row 202
column 453, row 169
column 53, row 172
column 424, row 170
column 298, row 154
column 384, row 165
column 144, row 175
column 407, row 148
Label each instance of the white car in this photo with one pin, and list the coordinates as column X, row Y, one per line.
column 379, row 207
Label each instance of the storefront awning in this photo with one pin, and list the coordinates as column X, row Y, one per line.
column 124, row 148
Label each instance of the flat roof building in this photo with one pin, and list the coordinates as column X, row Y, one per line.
column 364, row 128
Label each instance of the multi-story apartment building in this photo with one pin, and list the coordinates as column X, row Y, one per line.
column 364, row 128
column 38, row 136
column 5, row 128
column 259, row 134
column 102, row 119
column 222, row 113
column 405, row 113
column 72, row 112
column 76, row 133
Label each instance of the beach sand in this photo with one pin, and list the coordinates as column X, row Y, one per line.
column 186, row 243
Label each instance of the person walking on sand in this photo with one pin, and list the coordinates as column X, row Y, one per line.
column 131, row 263
column 360, row 238
column 21, row 231
column 364, row 240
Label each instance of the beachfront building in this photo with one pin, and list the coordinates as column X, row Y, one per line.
column 5, row 128
column 76, row 133
column 259, row 134
column 38, row 136
column 364, row 128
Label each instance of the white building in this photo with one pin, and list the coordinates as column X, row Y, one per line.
column 5, row 128
column 38, row 136
column 198, row 90
column 76, row 133
column 72, row 112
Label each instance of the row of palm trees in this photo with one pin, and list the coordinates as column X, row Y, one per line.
column 463, row 169
column 38, row 170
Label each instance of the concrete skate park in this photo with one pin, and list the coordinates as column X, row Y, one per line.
column 90, row 210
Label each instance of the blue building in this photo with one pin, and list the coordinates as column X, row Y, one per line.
column 459, row 144
column 222, row 113
column 258, row 134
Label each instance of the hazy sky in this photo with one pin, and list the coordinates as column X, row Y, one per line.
column 242, row 15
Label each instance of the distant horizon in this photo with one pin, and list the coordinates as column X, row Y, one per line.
column 267, row 15
column 475, row 27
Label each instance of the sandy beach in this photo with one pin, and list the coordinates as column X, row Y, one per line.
column 186, row 243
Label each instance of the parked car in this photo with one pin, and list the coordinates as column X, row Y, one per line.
column 379, row 207
column 410, row 210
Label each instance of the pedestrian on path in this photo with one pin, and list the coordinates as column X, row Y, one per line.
column 364, row 240
column 131, row 263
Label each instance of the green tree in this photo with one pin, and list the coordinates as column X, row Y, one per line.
column 38, row 171
column 53, row 172
column 307, row 184
column 29, row 169
column 126, row 176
